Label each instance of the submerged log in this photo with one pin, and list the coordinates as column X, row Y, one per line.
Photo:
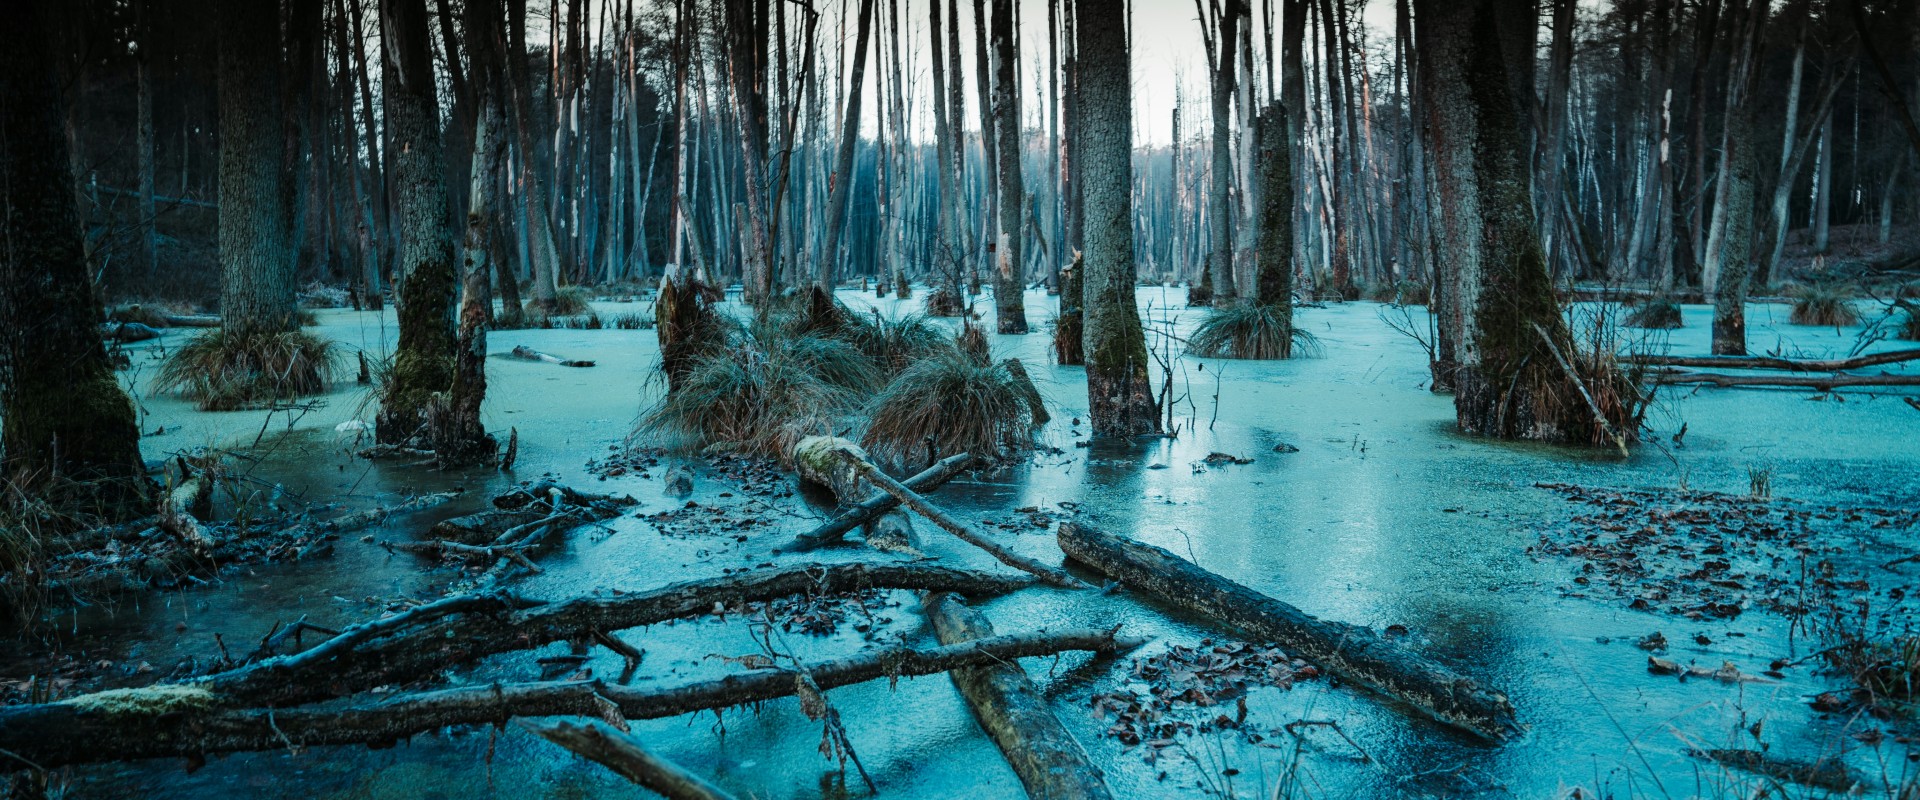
column 910, row 499
column 495, row 623
column 1051, row 763
column 173, row 720
column 1352, row 652
column 1827, row 773
column 623, row 754
column 1775, row 362
column 530, row 354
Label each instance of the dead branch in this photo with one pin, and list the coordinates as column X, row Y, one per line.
column 910, row 499
column 1775, row 362
column 191, row 721
column 426, row 646
column 1821, row 382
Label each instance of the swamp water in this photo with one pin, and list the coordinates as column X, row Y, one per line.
column 1383, row 516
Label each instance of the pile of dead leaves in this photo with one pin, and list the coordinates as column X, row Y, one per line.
column 694, row 521
column 823, row 614
column 1181, row 692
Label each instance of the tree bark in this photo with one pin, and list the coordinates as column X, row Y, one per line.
column 1729, row 261
column 1273, row 285
column 842, row 177
column 256, row 264
column 1009, row 284
column 67, row 430
column 1119, row 394
column 1220, row 172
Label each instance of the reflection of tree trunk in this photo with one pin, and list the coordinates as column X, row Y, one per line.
column 63, row 415
column 256, row 280
column 1010, row 310
column 1118, row 393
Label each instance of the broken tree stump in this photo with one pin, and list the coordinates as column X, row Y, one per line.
column 908, row 498
column 1051, row 763
column 623, row 754
column 1352, row 652
column 530, row 354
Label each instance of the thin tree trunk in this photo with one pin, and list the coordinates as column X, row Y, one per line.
column 1010, row 310
column 842, row 177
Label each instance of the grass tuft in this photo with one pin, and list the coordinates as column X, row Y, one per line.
column 760, row 392
column 1823, row 304
column 224, row 371
column 951, row 402
column 1249, row 330
column 571, row 301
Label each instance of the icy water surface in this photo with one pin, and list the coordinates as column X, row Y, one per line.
column 1383, row 516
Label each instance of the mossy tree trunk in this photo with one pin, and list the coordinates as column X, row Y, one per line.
column 67, row 423
column 256, row 259
column 1009, row 306
column 1119, row 393
column 1507, row 378
column 1273, row 280
column 424, row 359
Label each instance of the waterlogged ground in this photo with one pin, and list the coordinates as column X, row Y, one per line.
column 1384, row 516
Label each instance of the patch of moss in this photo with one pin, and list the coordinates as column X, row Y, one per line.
column 165, row 698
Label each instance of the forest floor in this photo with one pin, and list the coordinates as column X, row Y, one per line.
column 1537, row 570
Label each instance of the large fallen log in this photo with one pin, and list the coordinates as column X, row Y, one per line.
column 1352, row 652
column 429, row 645
column 1047, row 574
column 173, row 720
column 1775, row 362
column 1821, row 382
column 1051, row 763
column 530, row 354
column 880, row 503
column 623, row 754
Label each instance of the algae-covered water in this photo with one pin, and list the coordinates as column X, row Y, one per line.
column 1383, row 516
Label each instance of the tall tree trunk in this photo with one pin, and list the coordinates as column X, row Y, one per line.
column 458, row 436
column 1509, row 332
column 1273, row 284
column 1119, row 394
column 950, row 252
column 1730, row 241
column 1009, row 305
column 424, row 358
column 149, row 239
column 1823, row 191
column 378, row 233
column 67, row 431
column 1220, row 171
column 256, row 265
column 842, row 177
column 536, row 179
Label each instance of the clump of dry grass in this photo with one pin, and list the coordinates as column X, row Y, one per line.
column 894, row 343
column 224, row 371
column 1659, row 314
column 761, row 391
column 951, row 402
column 1825, row 305
column 571, row 301
column 633, row 321
column 1249, row 330
column 942, row 302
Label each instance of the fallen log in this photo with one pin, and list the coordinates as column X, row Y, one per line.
column 176, row 720
column 1051, row 763
column 880, row 502
column 1828, row 774
column 191, row 320
column 817, row 460
column 1821, row 382
column 530, row 354
column 908, row 498
column 623, row 754
column 1775, row 362
column 177, row 506
column 127, row 332
column 1352, row 652
column 428, row 645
